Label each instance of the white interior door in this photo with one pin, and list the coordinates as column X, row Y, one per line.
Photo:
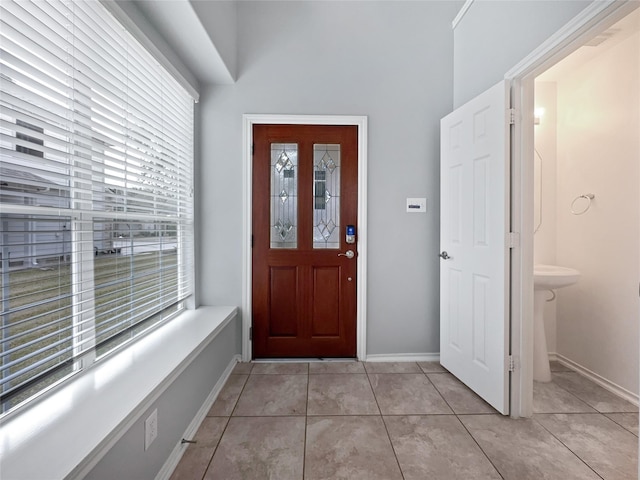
column 474, row 272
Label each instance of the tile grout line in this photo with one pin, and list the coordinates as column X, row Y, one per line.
column 479, row 446
column 439, row 393
column 227, row 422
column 386, row 429
column 235, row 405
column 571, row 393
column 583, row 400
column 457, row 416
column 618, row 423
column 366, row 372
column 565, row 445
column 306, row 424
column 215, row 448
column 393, row 448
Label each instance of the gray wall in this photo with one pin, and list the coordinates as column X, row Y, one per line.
column 177, row 407
column 221, row 27
column 494, row 36
column 391, row 61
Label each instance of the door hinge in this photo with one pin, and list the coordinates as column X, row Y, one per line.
column 512, row 116
column 512, row 363
column 513, row 239
column 250, row 333
column 253, row 148
column 253, row 241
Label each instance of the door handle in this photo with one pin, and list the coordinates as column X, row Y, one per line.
column 348, row 254
column 444, row 255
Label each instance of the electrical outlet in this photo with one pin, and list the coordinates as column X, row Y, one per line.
column 150, row 429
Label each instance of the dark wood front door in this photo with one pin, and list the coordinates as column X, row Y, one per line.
column 305, row 196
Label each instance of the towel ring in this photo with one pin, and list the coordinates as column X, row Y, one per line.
column 586, row 196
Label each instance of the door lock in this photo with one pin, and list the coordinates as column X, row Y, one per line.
column 351, row 234
column 348, row 254
column 445, row 256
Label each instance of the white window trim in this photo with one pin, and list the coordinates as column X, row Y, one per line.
column 248, row 121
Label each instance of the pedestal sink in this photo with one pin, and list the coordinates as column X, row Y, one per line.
column 546, row 278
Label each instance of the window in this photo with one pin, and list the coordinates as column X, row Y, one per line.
column 96, row 213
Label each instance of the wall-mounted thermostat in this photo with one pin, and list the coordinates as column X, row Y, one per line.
column 416, row 205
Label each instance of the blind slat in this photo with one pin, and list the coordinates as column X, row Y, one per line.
column 96, row 158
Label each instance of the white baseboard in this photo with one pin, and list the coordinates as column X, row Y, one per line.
column 174, row 458
column 404, row 357
column 597, row 379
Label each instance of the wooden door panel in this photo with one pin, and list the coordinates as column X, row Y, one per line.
column 303, row 293
column 283, row 304
column 325, row 320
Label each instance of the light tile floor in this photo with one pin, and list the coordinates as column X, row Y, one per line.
column 386, row 421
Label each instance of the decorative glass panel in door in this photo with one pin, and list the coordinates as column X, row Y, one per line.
column 284, row 195
column 326, row 196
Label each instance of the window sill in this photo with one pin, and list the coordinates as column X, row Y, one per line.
column 64, row 431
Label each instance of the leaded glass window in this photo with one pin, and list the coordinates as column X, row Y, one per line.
column 284, row 195
column 326, row 196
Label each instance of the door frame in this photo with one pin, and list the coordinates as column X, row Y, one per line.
column 248, row 121
column 594, row 19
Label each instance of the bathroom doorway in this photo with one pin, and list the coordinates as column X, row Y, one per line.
column 587, row 204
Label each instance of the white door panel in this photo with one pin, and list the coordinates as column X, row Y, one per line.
column 474, row 280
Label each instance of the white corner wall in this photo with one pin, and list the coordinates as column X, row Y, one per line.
column 390, row 61
column 494, row 35
column 599, row 153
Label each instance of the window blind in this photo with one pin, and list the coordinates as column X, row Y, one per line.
column 96, row 175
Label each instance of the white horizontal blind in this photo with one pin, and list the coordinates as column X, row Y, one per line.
column 96, row 213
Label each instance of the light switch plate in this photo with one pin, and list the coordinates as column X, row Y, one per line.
column 416, row 205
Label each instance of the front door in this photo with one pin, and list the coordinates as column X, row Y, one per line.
column 474, row 265
column 304, row 270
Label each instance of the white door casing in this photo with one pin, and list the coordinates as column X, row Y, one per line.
column 248, row 120
column 594, row 19
column 474, row 214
